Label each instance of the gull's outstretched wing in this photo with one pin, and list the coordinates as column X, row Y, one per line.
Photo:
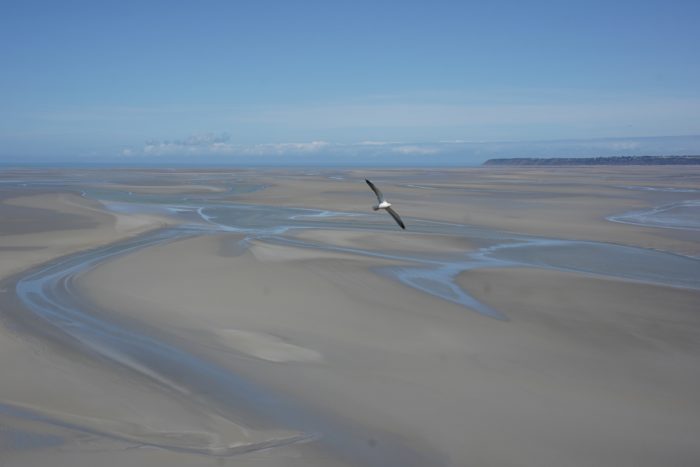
column 376, row 191
column 396, row 217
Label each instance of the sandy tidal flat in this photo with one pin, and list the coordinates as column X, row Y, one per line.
column 298, row 327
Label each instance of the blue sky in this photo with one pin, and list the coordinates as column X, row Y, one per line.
column 346, row 82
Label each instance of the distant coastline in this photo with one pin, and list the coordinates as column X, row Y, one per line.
column 619, row 160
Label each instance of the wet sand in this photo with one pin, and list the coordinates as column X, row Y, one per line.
column 247, row 334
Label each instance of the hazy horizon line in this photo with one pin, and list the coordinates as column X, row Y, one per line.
column 219, row 149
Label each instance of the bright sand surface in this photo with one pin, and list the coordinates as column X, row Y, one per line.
column 65, row 388
column 40, row 227
column 587, row 370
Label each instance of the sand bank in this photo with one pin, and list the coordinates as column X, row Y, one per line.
column 577, row 375
column 587, row 370
column 572, row 203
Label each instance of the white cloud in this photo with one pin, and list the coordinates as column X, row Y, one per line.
column 376, row 143
column 211, row 144
column 414, row 149
column 207, row 139
column 284, row 148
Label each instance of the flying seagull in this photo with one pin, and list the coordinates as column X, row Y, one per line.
column 382, row 204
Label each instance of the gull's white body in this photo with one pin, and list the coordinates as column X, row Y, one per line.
column 382, row 205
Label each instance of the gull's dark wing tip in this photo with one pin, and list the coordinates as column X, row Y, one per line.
column 396, row 217
column 376, row 191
